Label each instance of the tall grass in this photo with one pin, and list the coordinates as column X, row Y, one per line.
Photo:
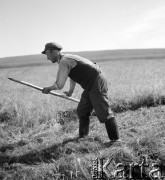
column 38, row 132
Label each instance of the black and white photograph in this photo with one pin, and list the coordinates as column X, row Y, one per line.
column 82, row 89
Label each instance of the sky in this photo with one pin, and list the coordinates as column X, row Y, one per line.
column 80, row 25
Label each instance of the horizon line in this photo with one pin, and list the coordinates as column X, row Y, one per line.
column 86, row 51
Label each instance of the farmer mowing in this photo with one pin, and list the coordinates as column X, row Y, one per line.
column 95, row 95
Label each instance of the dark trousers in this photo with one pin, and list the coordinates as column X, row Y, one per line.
column 96, row 98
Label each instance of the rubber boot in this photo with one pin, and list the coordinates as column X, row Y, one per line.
column 112, row 129
column 83, row 127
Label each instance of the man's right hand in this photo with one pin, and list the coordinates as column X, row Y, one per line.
column 46, row 90
column 68, row 93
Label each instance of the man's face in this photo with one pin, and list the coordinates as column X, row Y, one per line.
column 52, row 55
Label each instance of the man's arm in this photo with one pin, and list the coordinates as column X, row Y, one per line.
column 62, row 75
column 71, row 89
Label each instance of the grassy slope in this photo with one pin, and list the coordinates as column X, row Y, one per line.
column 38, row 133
column 104, row 55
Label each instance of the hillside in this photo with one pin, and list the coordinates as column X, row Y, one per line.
column 39, row 132
column 104, row 55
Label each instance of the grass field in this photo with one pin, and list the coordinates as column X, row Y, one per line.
column 38, row 132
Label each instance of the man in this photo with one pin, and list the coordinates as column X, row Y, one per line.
column 95, row 95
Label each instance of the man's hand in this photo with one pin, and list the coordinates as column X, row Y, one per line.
column 68, row 93
column 46, row 90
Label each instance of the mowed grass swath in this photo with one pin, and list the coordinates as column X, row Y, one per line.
column 38, row 132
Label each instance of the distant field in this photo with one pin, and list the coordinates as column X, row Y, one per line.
column 127, row 80
column 37, row 131
column 97, row 56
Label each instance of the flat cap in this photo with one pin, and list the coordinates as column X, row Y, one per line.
column 52, row 46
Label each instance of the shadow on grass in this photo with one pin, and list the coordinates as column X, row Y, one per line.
column 149, row 100
column 35, row 157
column 47, row 155
column 10, row 147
